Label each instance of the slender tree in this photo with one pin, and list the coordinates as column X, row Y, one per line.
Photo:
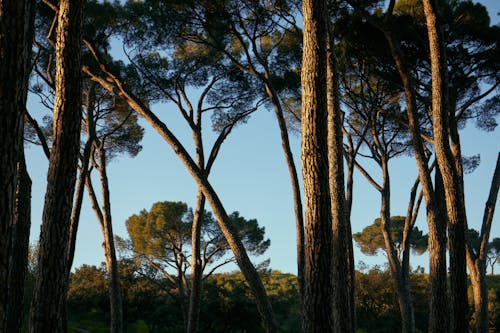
column 51, row 282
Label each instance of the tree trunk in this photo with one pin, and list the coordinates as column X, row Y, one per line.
column 19, row 251
column 450, row 173
column 297, row 199
column 477, row 262
column 249, row 272
column 51, row 282
column 317, row 309
column 480, row 293
column 343, row 307
column 196, row 268
column 15, row 32
column 115, row 290
column 438, row 312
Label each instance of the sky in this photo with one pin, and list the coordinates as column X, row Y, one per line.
column 250, row 176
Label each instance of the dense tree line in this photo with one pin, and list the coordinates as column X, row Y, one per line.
column 364, row 82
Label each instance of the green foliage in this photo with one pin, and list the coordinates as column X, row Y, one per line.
column 371, row 240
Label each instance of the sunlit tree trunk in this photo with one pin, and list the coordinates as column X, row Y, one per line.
column 317, row 309
column 343, row 281
column 450, row 171
column 51, row 284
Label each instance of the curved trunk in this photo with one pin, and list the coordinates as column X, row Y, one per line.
column 249, row 272
column 343, row 306
column 51, row 284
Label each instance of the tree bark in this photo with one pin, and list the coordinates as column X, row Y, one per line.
column 450, row 171
column 15, row 32
column 317, row 309
column 343, row 307
column 51, row 282
column 19, row 252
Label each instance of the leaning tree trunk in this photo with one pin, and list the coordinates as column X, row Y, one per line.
column 343, row 307
column 15, row 29
column 317, row 308
column 51, row 284
column 450, row 173
column 230, row 233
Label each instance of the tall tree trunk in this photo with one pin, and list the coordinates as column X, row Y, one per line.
column 343, row 307
column 450, row 173
column 51, row 282
column 15, row 32
column 230, row 233
column 317, row 309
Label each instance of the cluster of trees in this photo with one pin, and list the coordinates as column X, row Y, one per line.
column 365, row 84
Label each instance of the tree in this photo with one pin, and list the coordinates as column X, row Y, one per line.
column 370, row 240
column 112, row 82
column 493, row 253
column 160, row 240
column 51, row 282
column 318, row 292
column 16, row 31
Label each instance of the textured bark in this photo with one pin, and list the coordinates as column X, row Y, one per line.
column 343, row 307
column 317, row 309
column 476, row 262
column 20, row 243
column 450, row 171
column 250, row 273
column 14, row 36
column 51, row 284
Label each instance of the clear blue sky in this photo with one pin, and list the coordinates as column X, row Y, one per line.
column 250, row 176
